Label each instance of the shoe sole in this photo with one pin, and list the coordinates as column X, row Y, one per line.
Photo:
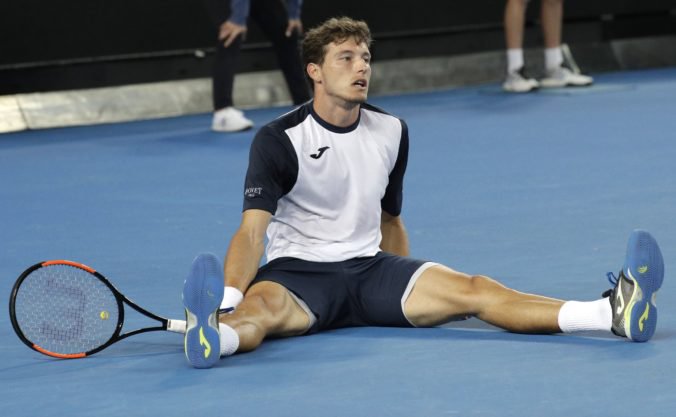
column 554, row 84
column 518, row 90
column 231, row 130
column 645, row 267
column 202, row 295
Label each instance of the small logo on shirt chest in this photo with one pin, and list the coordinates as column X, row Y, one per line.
column 319, row 153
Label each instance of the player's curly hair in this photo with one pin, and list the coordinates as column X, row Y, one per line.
column 336, row 30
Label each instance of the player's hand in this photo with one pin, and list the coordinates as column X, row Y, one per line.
column 229, row 31
column 295, row 25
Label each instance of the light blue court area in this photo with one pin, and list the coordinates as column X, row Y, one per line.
column 540, row 191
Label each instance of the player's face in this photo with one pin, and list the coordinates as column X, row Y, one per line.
column 346, row 71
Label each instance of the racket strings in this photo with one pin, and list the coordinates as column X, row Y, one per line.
column 64, row 309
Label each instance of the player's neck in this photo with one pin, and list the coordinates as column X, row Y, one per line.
column 336, row 112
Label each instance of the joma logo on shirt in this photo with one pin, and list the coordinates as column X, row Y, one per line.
column 319, row 153
column 253, row 192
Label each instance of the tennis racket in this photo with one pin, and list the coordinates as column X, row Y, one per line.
column 68, row 310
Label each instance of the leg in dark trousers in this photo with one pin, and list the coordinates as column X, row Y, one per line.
column 225, row 66
column 272, row 17
column 226, row 59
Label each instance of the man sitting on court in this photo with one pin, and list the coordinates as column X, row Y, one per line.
column 325, row 182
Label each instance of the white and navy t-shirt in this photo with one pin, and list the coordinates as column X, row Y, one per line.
column 326, row 185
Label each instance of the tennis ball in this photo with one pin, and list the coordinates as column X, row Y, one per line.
column 104, row 315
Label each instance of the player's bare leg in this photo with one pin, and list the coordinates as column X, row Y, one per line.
column 441, row 294
column 267, row 310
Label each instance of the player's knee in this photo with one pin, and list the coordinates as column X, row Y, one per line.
column 269, row 299
column 483, row 286
column 487, row 292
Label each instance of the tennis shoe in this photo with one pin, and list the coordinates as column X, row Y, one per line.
column 519, row 82
column 230, row 119
column 202, row 295
column 633, row 297
column 563, row 77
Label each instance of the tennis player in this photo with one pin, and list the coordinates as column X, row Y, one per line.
column 325, row 183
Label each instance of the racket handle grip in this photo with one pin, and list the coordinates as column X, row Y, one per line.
column 176, row 326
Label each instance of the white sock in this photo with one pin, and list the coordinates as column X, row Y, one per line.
column 514, row 59
column 229, row 339
column 553, row 58
column 577, row 316
column 231, row 297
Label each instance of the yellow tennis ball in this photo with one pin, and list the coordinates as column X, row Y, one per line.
column 104, row 315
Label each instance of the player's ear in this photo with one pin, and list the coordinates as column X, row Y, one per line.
column 314, row 71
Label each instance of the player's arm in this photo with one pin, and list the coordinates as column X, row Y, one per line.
column 395, row 238
column 246, row 249
column 272, row 170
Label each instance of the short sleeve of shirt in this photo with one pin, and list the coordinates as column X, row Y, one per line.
column 272, row 171
column 392, row 201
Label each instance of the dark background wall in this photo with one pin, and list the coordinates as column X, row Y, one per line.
column 58, row 45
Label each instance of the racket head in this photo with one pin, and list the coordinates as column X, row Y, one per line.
column 65, row 309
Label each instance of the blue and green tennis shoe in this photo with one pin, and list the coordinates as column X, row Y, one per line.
column 633, row 297
column 202, row 295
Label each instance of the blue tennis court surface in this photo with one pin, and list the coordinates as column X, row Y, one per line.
column 539, row 191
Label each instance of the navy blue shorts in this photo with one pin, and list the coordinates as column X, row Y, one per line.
column 366, row 291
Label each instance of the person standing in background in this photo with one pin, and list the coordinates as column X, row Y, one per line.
column 281, row 24
column 556, row 73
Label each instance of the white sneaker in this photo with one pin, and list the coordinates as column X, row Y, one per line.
column 230, row 119
column 563, row 77
column 519, row 82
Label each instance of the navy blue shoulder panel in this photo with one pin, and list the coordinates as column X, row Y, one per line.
column 273, row 163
